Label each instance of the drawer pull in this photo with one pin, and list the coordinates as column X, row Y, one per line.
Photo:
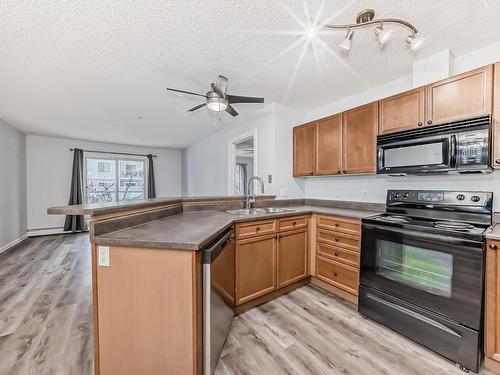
column 429, row 122
column 337, row 224
column 335, row 274
column 497, row 161
column 493, row 246
column 257, row 229
column 294, row 223
column 336, row 239
column 336, row 254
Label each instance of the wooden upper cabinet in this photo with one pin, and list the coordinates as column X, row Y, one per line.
column 329, row 146
column 462, row 96
column 292, row 257
column 304, row 138
column 360, row 128
column 496, row 117
column 403, row 111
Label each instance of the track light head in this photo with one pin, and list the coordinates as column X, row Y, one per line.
column 346, row 44
column 414, row 42
column 382, row 34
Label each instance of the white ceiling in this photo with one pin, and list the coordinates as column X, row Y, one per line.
column 89, row 69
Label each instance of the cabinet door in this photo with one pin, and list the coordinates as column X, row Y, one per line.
column 292, row 257
column 496, row 118
column 329, row 145
column 360, row 128
column 462, row 96
column 403, row 111
column 255, row 267
column 304, row 149
column 492, row 301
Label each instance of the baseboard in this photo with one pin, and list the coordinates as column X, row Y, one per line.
column 12, row 244
column 49, row 231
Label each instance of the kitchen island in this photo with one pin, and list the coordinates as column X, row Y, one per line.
column 147, row 270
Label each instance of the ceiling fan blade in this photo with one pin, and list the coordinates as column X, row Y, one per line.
column 244, row 99
column 222, row 84
column 186, row 92
column 197, row 107
column 231, row 111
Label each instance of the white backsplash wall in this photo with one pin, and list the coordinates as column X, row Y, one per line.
column 373, row 188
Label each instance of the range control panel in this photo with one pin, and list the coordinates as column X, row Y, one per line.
column 437, row 197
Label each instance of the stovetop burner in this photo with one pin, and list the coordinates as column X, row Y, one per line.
column 397, row 219
column 454, row 225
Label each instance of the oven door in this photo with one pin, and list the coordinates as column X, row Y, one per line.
column 423, row 155
column 439, row 273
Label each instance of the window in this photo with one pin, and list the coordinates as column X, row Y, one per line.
column 104, row 167
column 113, row 179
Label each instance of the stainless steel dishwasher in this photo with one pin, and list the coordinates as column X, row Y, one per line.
column 218, row 297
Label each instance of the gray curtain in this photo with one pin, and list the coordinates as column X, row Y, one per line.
column 151, row 178
column 243, row 177
column 75, row 223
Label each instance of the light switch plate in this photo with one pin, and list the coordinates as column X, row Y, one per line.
column 103, row 256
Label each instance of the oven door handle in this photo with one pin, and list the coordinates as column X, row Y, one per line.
column 423, row 236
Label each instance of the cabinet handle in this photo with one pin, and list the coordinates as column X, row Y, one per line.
column 280, row 236
column 336, row 254
column 311, row 173
column 294, row 223
column 257, row 229
column 429, row 122
column 337, row 224
column 497, row 161
column 420, row 123
column 336, row 239
column 493, row 246
column 335, row 274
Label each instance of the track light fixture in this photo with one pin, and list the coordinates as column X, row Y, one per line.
column 366, row 18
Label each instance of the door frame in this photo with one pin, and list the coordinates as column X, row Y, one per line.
column 232, row 157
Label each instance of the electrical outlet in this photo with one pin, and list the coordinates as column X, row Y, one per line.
column 270, row 179
column 103, row 258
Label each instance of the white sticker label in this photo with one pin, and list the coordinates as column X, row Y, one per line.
column 103, row 255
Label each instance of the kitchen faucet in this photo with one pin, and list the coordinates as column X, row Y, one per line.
column 249, row 199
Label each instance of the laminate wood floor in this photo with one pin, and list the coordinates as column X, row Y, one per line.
column 46, row 327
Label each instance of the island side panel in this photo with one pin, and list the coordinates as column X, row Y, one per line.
column 148, row 312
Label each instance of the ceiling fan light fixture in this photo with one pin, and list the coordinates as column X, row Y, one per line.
column 414, row 42
column 347, row 43
column 382, row 34
column 217, row 104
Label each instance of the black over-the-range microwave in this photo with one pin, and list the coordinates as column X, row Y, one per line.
column 458, row 147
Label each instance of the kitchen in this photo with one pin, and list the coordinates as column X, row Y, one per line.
column 367, row 221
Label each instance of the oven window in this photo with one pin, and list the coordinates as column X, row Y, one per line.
column 417, row 267
column 425, row 154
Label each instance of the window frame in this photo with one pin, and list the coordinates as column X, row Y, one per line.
column 116, row 160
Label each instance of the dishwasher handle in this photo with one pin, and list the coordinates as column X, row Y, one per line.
column 213, row 251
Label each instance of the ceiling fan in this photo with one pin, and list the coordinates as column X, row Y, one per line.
column 218, row 100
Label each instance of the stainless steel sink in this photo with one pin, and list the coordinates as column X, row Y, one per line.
column 277, row 210
column 246, row 212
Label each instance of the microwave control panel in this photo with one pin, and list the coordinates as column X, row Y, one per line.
column 473, row 148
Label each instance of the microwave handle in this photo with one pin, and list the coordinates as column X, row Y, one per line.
column 453, row 151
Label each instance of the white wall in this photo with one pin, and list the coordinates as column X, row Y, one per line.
column 49, row 165
column 206, row 164
column 372, row 188
column 13, row 185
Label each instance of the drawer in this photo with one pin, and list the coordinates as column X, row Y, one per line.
column 339, row 254
column 337, row 274
column 255, row 228
column 289, row 223
column 346, row 241
column 339, row 224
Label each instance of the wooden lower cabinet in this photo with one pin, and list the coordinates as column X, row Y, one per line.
column 255, row 267
column 336, row 273
column 496, row 117
column 147, row 312
column 292, row 257
column 492, row 306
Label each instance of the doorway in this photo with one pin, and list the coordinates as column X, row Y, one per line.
column 242, row 164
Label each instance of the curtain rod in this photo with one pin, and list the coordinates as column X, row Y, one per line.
column 113, row 152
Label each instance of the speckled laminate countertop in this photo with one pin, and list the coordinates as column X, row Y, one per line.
column 192, row 230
